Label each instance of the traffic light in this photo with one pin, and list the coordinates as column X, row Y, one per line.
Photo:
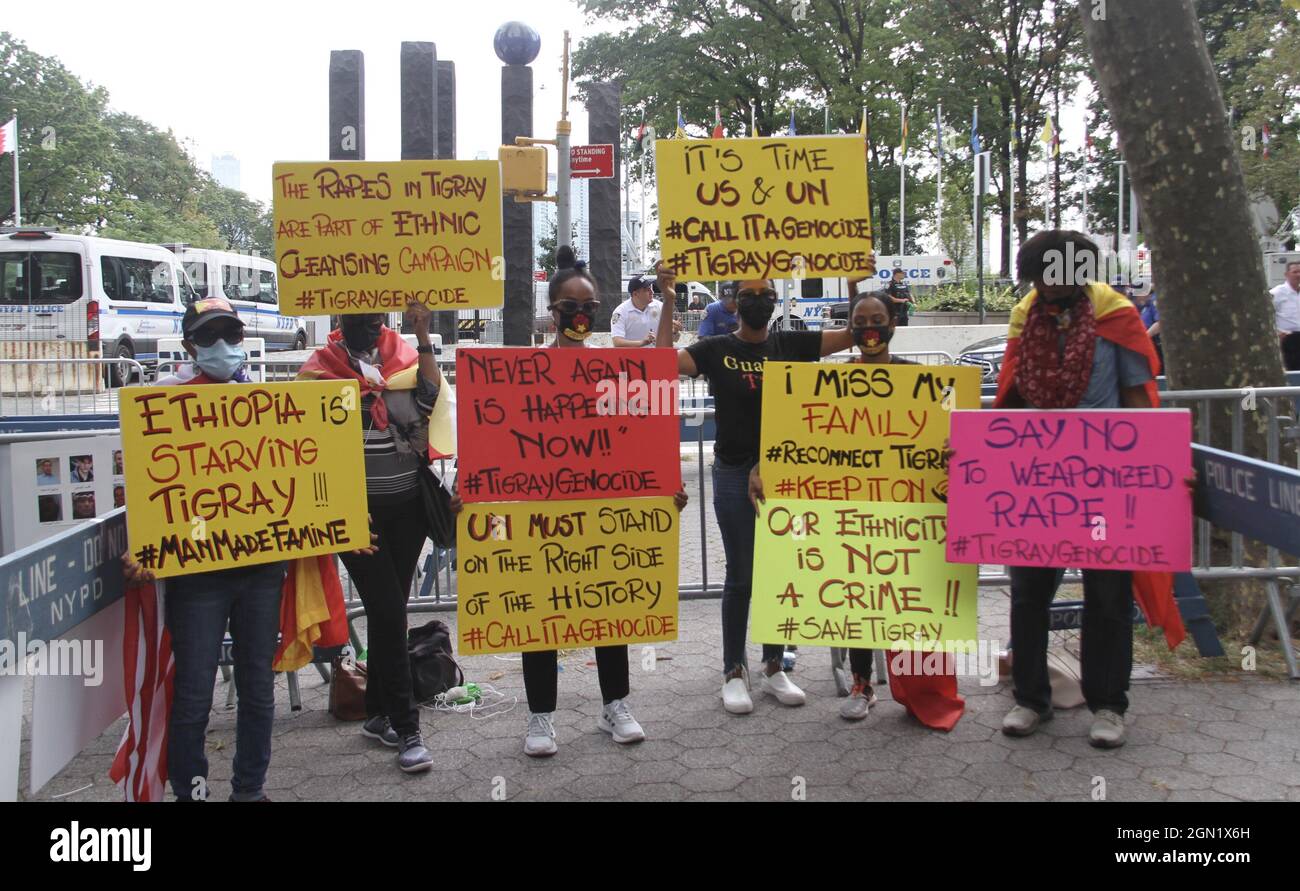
column 523, row 169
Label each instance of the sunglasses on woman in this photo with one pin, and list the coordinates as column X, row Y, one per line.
column 766, row 294
column 207, row 336
column 569, row 307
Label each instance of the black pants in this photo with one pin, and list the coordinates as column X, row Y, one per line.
column 541, row 680
column 1106, row 641
column 861, row 663
column 383, row 579
column 1291, row 351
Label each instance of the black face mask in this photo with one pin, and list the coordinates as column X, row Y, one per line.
column 756, row 313
column 360, row 335
column 871, row 335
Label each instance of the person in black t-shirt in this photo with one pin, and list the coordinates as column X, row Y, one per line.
column 733, row 364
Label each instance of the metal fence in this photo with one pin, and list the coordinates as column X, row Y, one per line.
column 34, row 387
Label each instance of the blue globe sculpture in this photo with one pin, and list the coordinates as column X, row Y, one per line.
column 516, row 43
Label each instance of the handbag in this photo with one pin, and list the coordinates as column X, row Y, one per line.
column 433, row 668
column 347, row 698
column 437, row 508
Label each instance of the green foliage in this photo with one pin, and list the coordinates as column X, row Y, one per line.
column 964, row 297
column 88, row 169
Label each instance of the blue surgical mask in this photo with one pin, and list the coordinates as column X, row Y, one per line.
column 221, row 361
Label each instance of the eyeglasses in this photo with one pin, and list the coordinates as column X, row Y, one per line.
column 569, row 307
column 766, row 294
column 207, row 336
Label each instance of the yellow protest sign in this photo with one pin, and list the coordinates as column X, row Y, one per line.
column 226, row 475
column 775, row 207
column 370, row 236
column 852, row 574
column 558, row 575
column 858, row 431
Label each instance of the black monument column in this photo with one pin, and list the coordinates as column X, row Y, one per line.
column 603, row 100
column 517, row 44
column 419, row 92
column 444, row 323
column 347, row 136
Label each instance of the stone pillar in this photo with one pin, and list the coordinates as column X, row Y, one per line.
column 516, row 217
column 347, row 135
column 419, row 126
column 603, row 101
column 444, row 323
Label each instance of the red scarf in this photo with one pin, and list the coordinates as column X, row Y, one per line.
column 333, row 362
column 1049, row 377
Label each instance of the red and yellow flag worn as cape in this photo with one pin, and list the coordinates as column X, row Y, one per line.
column 1119, row 322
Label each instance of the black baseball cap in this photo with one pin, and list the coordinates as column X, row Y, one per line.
column 637, row 282
column 201, row 312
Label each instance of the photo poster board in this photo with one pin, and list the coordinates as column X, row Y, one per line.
column 371, row 236
column 45, row 489
column 849, row 545
column 242, row 474
column 774, row 207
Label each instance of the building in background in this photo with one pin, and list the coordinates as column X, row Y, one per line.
column 544, row 217
column 225, row 170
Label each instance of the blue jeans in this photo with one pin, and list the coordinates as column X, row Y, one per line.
column 197, row 610
column 736, row 523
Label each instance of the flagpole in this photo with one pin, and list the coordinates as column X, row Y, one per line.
column 1011, row 196
column 1087, row 156
column 18, row 206
column 902, row 185
column 753, row 127
column 938, row 116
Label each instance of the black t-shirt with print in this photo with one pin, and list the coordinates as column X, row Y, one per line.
column 734, row 369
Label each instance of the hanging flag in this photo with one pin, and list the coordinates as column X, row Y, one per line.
column 938, row 133
column 1087, row 141
column 681, row 124
column 1048, row 136
column 1015, row 134
column 640, row 131
column 1266, row 136
column 140, row 765
column 975, row 146
column 9, row 136
column 904, row 133
column 862, row 128
column 717, row 121
column 791, row 131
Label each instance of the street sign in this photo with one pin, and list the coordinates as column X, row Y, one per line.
column 1258, row 499
column 591, row 161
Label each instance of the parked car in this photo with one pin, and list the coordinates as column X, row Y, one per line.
column 987, row 355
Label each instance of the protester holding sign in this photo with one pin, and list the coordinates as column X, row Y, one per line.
column 200, row 605
column 399, row 386
column 1075, row 343
column 733, row 364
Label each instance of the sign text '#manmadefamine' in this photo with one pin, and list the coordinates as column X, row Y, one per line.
column 240, row 474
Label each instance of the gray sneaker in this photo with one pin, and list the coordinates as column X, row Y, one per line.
column 414, row 757
column 1107, row 729
column 1021, row 721
column 859, row 703
column 379, row 728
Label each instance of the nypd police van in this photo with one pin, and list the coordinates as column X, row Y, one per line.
column 813, row 298
column 249, row 283
column 97, row 296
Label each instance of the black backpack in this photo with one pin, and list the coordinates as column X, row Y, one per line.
column 433, row 668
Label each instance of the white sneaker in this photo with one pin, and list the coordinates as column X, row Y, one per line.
column 1107, row 730
column 539, row 742
column 859, row 703
column 780, row 686
column 735, row 696
column 616, row 719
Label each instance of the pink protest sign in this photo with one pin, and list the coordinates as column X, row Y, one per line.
column 1089, row 489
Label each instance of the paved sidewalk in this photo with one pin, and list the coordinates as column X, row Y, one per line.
column 1221, row 740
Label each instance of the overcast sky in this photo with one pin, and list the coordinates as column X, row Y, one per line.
column 250, row 78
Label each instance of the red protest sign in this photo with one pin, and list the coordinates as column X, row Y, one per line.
column 591, row 161
column 548, row 424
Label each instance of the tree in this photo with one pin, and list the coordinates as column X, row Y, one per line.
column 1155, row 72
column 63, row 136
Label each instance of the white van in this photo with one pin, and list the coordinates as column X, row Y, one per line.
column 249, row 283
column 100, row 296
